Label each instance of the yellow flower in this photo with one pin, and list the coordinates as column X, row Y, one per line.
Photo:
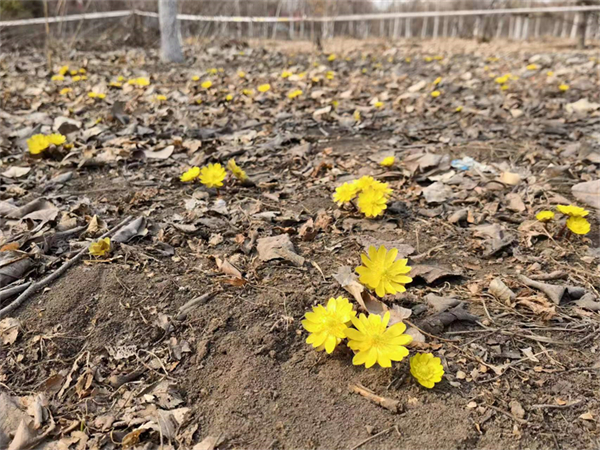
column 435, row 94
column 426, row 369
column 115, row 84
column 563, row 87
column 330, row 74
column 229, row 97
column 366, row 182
column 96, row 95
column 264, row 87
column 248, row 92
column 212, row 71
column 380, row 271
column 550, row 73
column 212, row 176
column 501, row 80
column 572, row 211
column 327, row 325
column 63, row 70
column 190, row 174
column 236, row 170
column 356, row 115
column 437, row 81
column 544, row 216
column 295, row 94
column 56, row 139
column 100, row 248
column 374, row 342
column 140, row 81
column 286, row 74
column 37, row 144
column 371, row 202
column 57, row 78
column 195, row 78
column 241, row 74
column 301, row 75
column 578, row 225
column 335, row 104
column 120, row 78
column 345, row 193
column 76, row 78
column 161, row 98
column 407, row 59
column 331, row 57
column 84, row 77
column 206, row 84
column 65, row 91
column 532, row 67
column 458, row 109
column 388, row 161
column 73, row 72
column 428, row 59
column 82, row 70
column 378, row 104
column 504, row 87
column 492, row 59
column 438, row 57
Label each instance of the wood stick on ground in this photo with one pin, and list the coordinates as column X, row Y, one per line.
column 375, row 436
column 7, row 293
column 33, row 288
column 507, row 414
column 387, row 403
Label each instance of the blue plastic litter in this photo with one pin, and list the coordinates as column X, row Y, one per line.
column 465, row 163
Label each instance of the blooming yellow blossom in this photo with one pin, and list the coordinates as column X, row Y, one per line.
column 345, row 193
column 286, row 74
column 327, row 325
column 120, row 78
column 437, row 81
column 65, row 91
column 408, row 59
column 330, row 74
column 212, row 71
column 115, row 84
column 532, row 67
column 426, row 369
column 73, row 72
column 356, row 115
column 335, row 104
column 96, row 95
column 212, row 176
column 331, row 57
column 458, row 109
column 56, row 139
column 382, row 272
column 578, row 225
column 195, row 78
column 563, row 87
column 264, row 87
column 190, row 175
column 63, row 70
column 301, row 75
column 374, row 342
column 206, row 84
column 438, row 57
column 248, row 92
column 161, row 98
column 371, row 202
column 57, row 78
column 241, row 74
column 236, row 170
column 84, row 77
column 378, row 105
column 428, row 58
column 100, row 247
column 388, row 161
column 295, row 94
column 544, row 216
column 572, row 211
column 435, row 94
column 140, row 81
column 504, row 87
column 37, row 144
column 550, row 73
column 502, row 80
column 82, row 70
column 229, row 97
column 76, row 78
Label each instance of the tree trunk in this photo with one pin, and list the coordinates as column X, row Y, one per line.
column 170, row 44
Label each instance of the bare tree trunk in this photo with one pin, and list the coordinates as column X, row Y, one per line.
column 170, row 44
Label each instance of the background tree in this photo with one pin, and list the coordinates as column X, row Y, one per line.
column 170, row 37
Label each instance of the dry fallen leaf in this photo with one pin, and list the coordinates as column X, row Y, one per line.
column 278, row 247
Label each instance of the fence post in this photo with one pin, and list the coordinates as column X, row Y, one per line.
column 500, row 26
column 408, row 29
column 575, row 26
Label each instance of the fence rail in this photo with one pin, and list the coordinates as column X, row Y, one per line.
column 340, row 18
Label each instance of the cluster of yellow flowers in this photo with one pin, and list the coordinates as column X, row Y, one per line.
column 212, row 175
column 40, row 142
column 96, row 95
column 76, row 75
column 373, row 195
column 576, row 221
